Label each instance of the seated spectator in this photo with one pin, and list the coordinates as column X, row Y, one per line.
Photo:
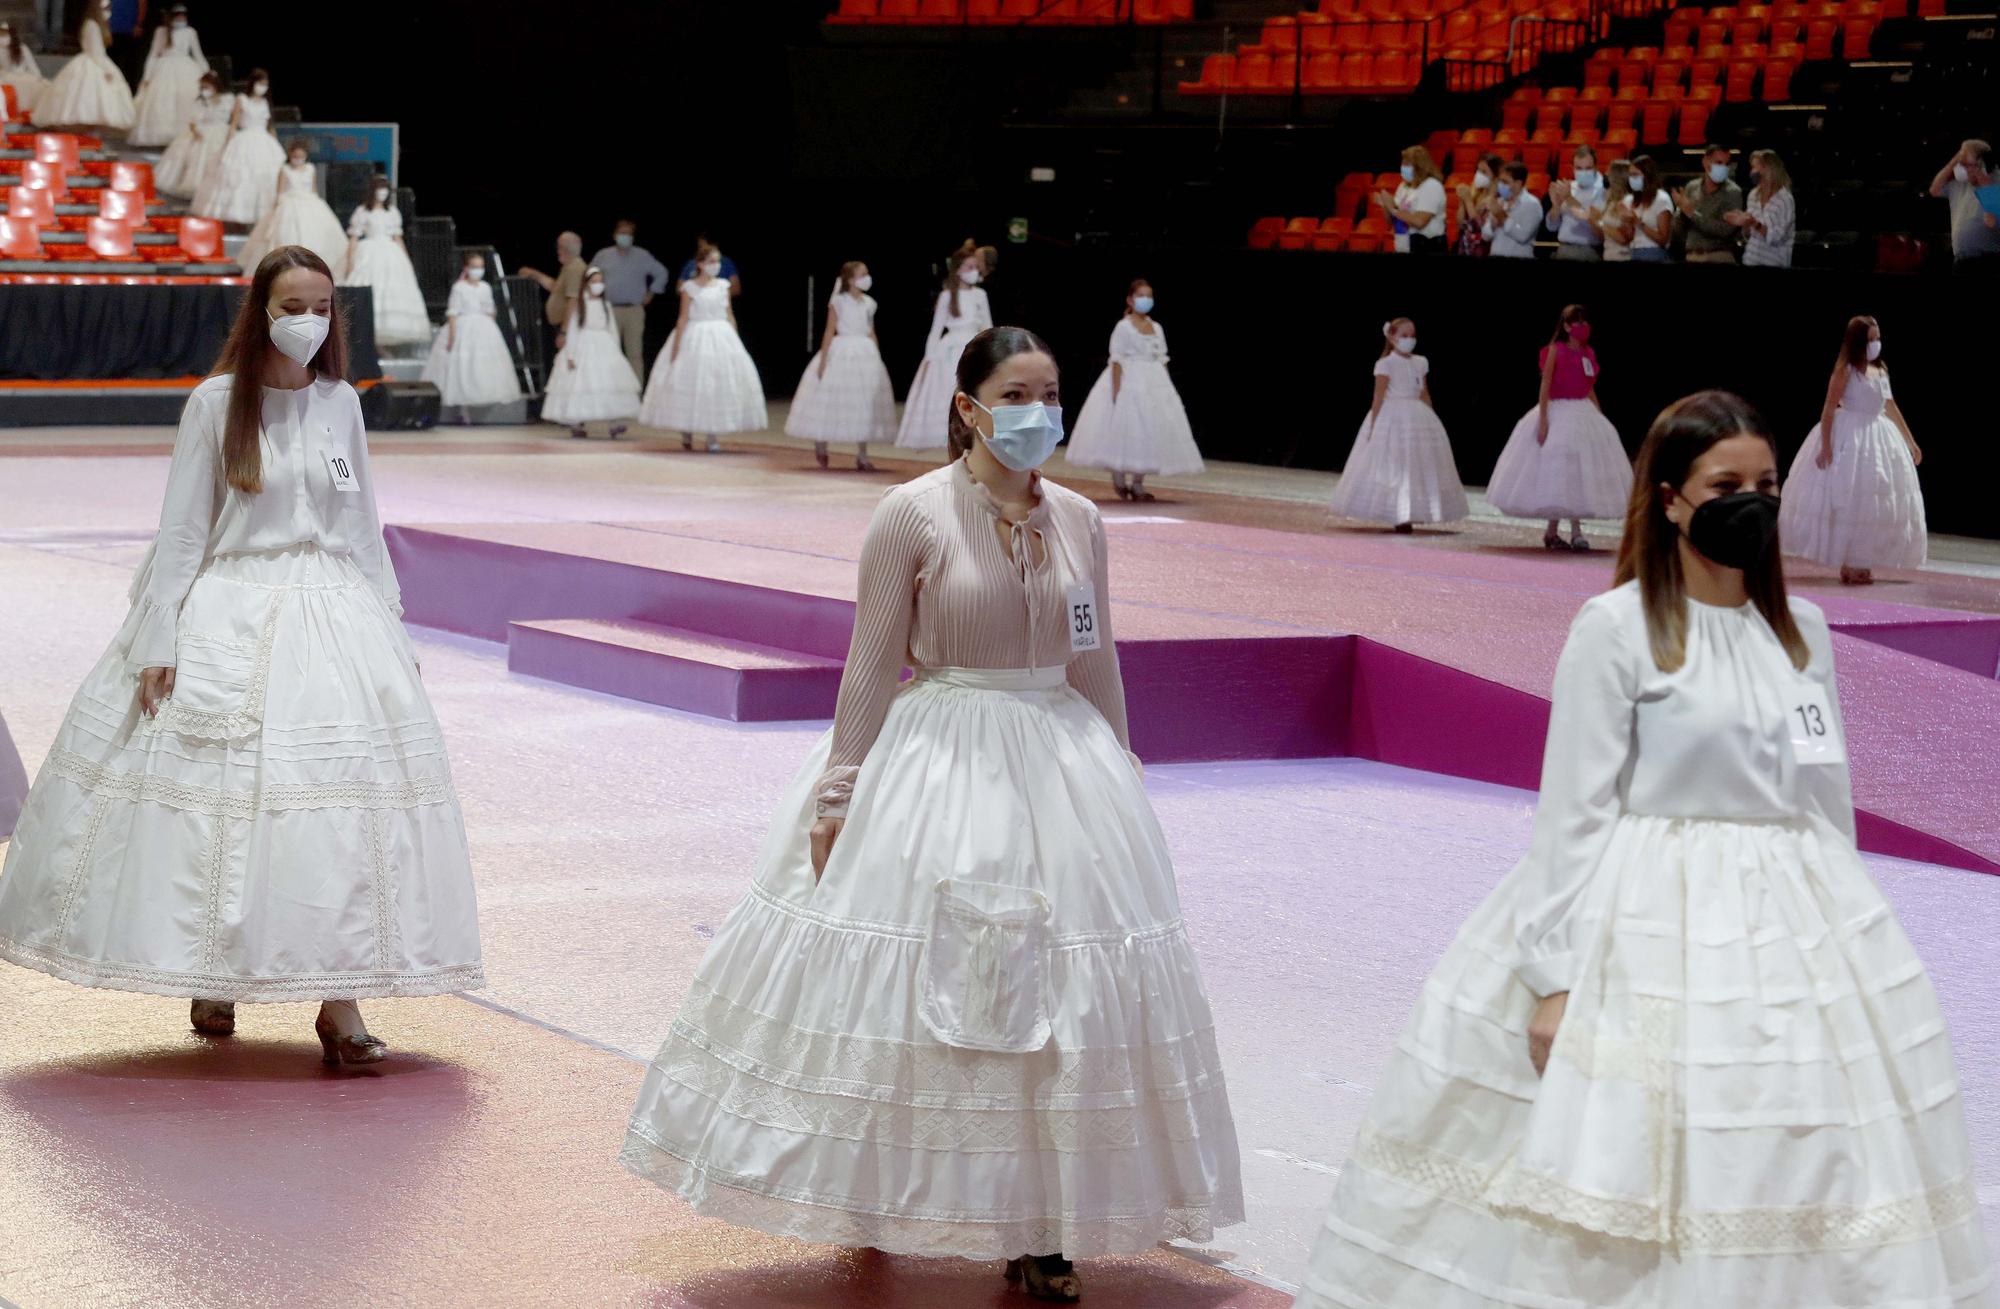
column 729, row 274
column 1573, row 209
column 1706, row 204
column 1474, row 202
column 1614, row 220
column 1975, row 232
column 1515, row 216
column 1768, row 213
column 1652, row 212
column 1416, row 210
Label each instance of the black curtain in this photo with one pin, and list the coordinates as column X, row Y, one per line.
column 65, row 333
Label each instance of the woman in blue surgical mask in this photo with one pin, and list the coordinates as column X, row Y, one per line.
column 962, row 968
column 249, row 800
column 1133, row 422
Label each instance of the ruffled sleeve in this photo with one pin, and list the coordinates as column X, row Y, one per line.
column 1590, row 744
column 358, row 225
column 187, row 516
column 1095, row 673
column 1125, row 343
column 894, row 558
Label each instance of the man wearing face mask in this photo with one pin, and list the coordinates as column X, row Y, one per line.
column 1705, row 208
column 1975, row 230
column 1571, row 207
column 632, row 277
column 563, row 287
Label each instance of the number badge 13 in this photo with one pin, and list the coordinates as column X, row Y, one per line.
column 1809, row 719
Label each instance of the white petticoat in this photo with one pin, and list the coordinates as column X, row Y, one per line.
column 242, row 183
column 81, row 95
column 163, row 104
column 187, row 161
column 1401, row 469
column 804, row 1090
column 478, row 369
column 711, row 388
column 1751, row 1103
column 299, row 218
column 1145, row 430
column 285, row 829
column 853, row 402
column 927, row 408
column 1581, row 471
column 601, row 386
column 1865, row 510
column 383, row 265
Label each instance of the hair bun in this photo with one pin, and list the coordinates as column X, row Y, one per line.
column 1388, row 327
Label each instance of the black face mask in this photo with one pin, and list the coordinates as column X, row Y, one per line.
column 1736, row 531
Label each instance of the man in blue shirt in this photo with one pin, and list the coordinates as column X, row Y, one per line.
column 728, row 271
column 1571, row 205
column 632, row 277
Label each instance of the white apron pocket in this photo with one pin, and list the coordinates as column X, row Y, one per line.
column 222, row 652
column 985, row 978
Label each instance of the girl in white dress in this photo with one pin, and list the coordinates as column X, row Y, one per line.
column 249, row 799
column 167, row 88
column 1852, row 500
column 242, row 183
column 377, row 259
column 19, row 70
column 1564, row 458
column 1683, row 1055
column 89, row 93
column 470, row 363
column 1133, row 422
column 1401, row 470
column 591, row 378
column 957, row 1012
column 705, row 381
column 962, row 313
column 203, row 137
column 299, row 217
column 845, row 394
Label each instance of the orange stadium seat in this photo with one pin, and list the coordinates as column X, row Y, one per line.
column 1298, row 234
column 1778, row 80
column 111, row 240
column 1264, row 233
column 21, row 238
column 34, row 203
column 201, row 240
column 59, row 148
column 128, row 207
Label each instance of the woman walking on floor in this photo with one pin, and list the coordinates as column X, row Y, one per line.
column 1401, row 469
column 705, row 381
column 249, row 799
column 1133, row 422
column 1564, row 458
column 962, row 313
column 958, row 1012
column 844, row 394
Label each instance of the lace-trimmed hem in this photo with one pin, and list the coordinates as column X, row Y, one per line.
column 246, row 990
column 106, row 782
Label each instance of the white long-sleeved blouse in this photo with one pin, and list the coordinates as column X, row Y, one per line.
column 1710, row 740
column 203, row 516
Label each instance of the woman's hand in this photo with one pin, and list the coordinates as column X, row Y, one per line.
column 1916, row 453
column 155, row 685
column 822, row 366
column 1824, row 459
column 1542, row 1029
column 572, row 365
column 824, row 833
column 1542, row 429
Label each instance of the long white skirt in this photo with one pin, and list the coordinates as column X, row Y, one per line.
column 28, row 85
column 1751, row 1103
column 591, row 379
column 1000, row 880
column 1866, row 509
column 163, row 104
column 1401, row 471
column 188, row 160
column 1582, row 471
column 1144, row 430
column 926, row 421
column 712, row 388
column 853, row 402
column 477, row 369
column 87, row 93
column 298, row 218
column 285, row 829
column 242, row 184
column 383, row 265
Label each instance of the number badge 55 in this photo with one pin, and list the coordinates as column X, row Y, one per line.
column 1080, row 605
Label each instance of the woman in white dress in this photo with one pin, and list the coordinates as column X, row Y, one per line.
column 19, row 70
column 1401, row 469
column 242, row 184
column 89, row 93
column 377, row 259
column 1852, row 500
column 470, row 364
column 1564, row 458
column 962, row 313
column 249, row 799
column 958, row 1012
column 705, row 381
column 1133, row 423
column 1684, row 1054
column 203, row 137
column 299, row 217
column 591, row 379
column 168, row 86
column 844, row 394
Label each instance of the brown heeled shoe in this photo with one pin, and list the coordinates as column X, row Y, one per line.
column 1046, row 1277
column 212, row 1017
column 337, row 1049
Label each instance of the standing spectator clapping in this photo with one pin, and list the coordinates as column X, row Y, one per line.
column 1474, row 204
column 1652, row 212
column 1706, row 205
column 1769, row 214
column 1416, row 210
column 1574, row 207
column 1515, row 216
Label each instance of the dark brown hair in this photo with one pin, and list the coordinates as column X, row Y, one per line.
column 380, row 182
column 249, row 349
column 849, row 271
column 1649, row 179
column 1650, row 551
column 258, row 75
column 1571, row 315
column 983, row 355
column 1854, row 343
column 583, row 294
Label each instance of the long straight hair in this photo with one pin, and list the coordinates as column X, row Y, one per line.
column 1650, row 551
column 987, row 258
column 1570, row 316
column 579, row 306
column 1854, row 344
column 984, row 354
column 249, row 349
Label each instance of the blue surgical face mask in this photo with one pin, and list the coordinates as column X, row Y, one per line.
column 624, row 240
column 1142, row 304
column 1718, row 173
column 1586, row 178
column 1409, row 173
column 1505, row 190
column 1024, row 436
column 1635, row 181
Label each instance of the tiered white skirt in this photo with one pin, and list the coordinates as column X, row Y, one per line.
column 1751, row 1102
column 1401, row 469
column 298, row 218
column 88, row 93
column 805, row 1089
column 927, row 408
column 591, row 379
column 285, row 829
column 1581, row 471
column 383, row 266
column 1866, row 510
column 163, row 104
column 1144, row 430
column 853, row 402
column 242, row 184
column 712, row 387
column 187, row 161
column 478, row 368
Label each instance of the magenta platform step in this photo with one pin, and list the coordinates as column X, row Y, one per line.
column 671, row 666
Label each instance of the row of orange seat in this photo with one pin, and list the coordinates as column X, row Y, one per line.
column 197, row 241
column 1071, row 13
column 101, row 279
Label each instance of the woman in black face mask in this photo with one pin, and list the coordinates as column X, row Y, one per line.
column 1683, row 1054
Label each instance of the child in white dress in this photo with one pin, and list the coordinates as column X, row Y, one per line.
column 470, row 364
column 1564, row 458
column 705, row 381
column 1401, row 470
column 845, row 394
column 203, row 136
column 1683, row 1055
column 962, row 313
column 168, row 86
column 242, row 183
column 299, row 217
column 1133, row 423
column 591, row 379
column 19, row 70
column 377, row 259
column 89, row 93
column 1852, row 500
